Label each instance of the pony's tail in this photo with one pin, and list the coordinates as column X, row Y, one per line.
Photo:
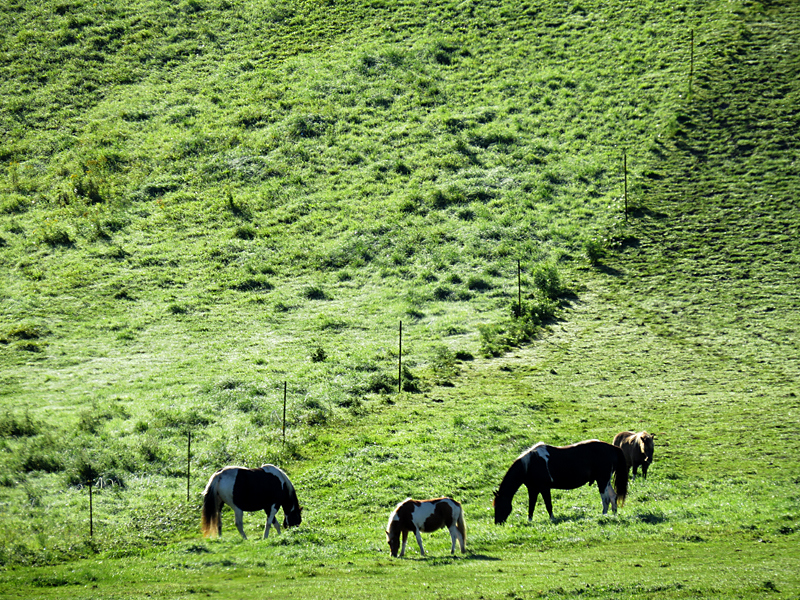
column 462, row 526
column 621, row 476
column 209, row 520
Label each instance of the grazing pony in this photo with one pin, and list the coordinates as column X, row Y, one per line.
column 638, row 449
column 544, row 467
column 426, row 516
column 267, row 489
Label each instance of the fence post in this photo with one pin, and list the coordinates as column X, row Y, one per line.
column 91, row 515
column 691, row 61
column 400, row 361
column 188, row 463
column 625, row 179
column 284, row 413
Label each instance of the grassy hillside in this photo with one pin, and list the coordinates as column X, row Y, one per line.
column 205, row 200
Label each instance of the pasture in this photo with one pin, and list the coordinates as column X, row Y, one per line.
column 205, row 202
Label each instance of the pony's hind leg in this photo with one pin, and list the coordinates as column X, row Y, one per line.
column 271, row 520
column 240, row 521
column 609, row 497
column 419, row 541
column 455, row 535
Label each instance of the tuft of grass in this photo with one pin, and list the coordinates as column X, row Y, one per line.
column 13, row 425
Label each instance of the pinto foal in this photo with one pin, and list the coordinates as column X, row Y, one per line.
column 426, row 516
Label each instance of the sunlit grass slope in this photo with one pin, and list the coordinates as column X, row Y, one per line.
column 205, row 200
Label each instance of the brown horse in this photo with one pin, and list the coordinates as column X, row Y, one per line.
column 638, row 449
column 544, row 467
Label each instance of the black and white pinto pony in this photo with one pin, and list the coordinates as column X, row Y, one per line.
column 243, row 489
column 426, row 516
column 543, row 467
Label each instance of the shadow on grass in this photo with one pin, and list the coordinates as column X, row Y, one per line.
column 609, row 270
column 435, row 561
column 650, row 518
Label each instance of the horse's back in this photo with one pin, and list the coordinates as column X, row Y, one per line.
column 256, row 490
column 426, row 515
column 623, row 437
column 573, row 466
column 636, row 446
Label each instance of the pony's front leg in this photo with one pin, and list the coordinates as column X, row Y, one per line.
column 419, row 541
column 533, row 493
column 239, row 521
column 548, row 502
column 271, row 520
column 405, row 539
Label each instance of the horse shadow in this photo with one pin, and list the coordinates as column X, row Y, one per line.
column 436, row 561
column 651, row 518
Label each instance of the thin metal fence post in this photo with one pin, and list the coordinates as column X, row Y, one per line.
column 691, row 61
column 625, row 176
column 284, row 412
column 400, row 361
column 188, row 463
column 91, row 514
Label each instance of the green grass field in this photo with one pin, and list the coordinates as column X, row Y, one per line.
column 205, row 201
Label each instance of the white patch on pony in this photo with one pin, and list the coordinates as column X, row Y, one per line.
column 541, row 450
column 225, row 482
column 421, row 513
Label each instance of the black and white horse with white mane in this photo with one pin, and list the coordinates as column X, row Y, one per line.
column 543, row 467
column 267, row 488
